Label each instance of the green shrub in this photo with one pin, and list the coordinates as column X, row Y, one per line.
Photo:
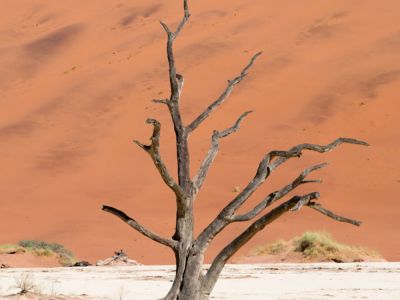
column 42, row 248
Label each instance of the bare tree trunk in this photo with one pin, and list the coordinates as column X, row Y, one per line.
column 191, row 281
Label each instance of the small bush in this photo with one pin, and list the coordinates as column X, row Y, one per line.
column 319, row 245
column 315, row 246
column 313, row 243
column 42, row 248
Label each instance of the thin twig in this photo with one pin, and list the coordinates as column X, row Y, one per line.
column 332, row 215
column 231, row 83
column 161, row 101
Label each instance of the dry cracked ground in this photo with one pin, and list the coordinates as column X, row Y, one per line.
column 248, row 282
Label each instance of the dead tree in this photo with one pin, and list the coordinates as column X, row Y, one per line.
column 192, row 281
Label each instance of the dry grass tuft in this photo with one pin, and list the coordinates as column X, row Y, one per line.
column 25, row 284
column 316, row 246
column 273, row 248
column 320, row 246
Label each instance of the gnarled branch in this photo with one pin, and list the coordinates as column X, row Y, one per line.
column 275, row 158
column 231, row 83
column 224, row 218
column 212, row 153
column 270, row 162
column 135, row 225
column 275, row 196
column 318, row 148
column 154, row 151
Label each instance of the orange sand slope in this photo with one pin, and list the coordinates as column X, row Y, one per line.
column 76, row 82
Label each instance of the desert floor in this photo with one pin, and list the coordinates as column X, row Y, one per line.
column 262, row 281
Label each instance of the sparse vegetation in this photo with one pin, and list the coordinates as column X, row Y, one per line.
column 316, row 246
column 40, row 248
column 273, row 248
column 25, row 284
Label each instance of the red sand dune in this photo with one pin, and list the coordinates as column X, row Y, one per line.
column 28, row 260
column 76, row 82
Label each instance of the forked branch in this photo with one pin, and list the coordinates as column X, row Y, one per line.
column 270, row 162
column 212, row 153
column 231, row 83
column 135, row 225
column 154, row 151
column 275, row 158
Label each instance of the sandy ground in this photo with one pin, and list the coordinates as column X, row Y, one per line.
column 263, row 281
column 76, row 83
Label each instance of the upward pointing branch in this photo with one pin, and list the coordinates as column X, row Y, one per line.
column 176, row 84
column 176, row 80
column 186, row 17
column 212, row 153
column 231, row 83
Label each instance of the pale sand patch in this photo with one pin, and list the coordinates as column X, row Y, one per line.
column 263, row 281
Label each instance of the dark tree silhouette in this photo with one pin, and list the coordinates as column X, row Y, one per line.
column 192, row 280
